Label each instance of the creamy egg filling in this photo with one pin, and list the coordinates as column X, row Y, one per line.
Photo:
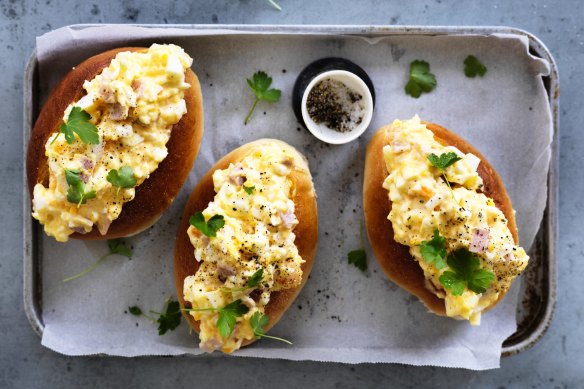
column 258, row 234
column 422, row 202
column 134, row 103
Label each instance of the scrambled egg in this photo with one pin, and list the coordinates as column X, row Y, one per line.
column 258, row 234
column 134, row 103
column 422, row 202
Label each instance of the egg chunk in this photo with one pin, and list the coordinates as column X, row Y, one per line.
column 425, row 199
column 254, row 196
column 134, row 102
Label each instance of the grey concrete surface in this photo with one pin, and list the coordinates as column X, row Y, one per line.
column 557, row 361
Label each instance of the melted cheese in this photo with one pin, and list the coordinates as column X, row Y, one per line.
column 422, row 202
column 134, row 103
column 258, row 234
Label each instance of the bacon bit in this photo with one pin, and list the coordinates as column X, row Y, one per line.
column 480, row 240
column 87, row 164
column 225, row 271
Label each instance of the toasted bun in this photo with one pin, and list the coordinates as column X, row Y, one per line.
column 156, row 193
column 395, row 258
column 306, row 231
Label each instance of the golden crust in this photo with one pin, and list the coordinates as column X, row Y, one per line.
column 306, row 231
column 156, row 193
column 394, row 258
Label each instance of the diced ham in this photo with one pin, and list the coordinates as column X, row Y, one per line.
column 289, row 219
column 225, row 271
column 118, row 112
column 236, row 176
column 480, row 241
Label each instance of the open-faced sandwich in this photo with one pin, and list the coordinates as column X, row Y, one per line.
column 114, row 143
column 246, row 243
column 439, row 219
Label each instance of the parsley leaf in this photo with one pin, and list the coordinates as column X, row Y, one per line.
column 209, row 227
column 359, row 259
column 78, row 123
column 444, row 160
column 228, row 316
column 76, row 193
column 135, row 310
column 249, row 190
column 122, row 178
column 473, row 67
column 421, row 80
column 434, row 250
column 255, row 279
column 170, row 319
column 258, row 322
column 466, row 272
column 259, row 84
column 116, row 246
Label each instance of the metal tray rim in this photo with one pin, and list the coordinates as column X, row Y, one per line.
column 31, row 276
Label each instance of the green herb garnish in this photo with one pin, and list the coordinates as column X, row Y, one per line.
column 259, row 84
column 473, row 67
column 76, row 193
column 168, row 320
column 442, row 162
column 78, row 123
column 116, row 246
column 252, row 282
column 209, row 227
column 434, row 250
column 258, row 322
column 466, row 272
column 421, row 80
column 227, row 316
column 248, row 189
column 359, row 257
column 122, row 178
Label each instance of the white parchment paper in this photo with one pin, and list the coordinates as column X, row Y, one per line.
column 342, row 314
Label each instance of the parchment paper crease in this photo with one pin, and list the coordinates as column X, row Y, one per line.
column 342, row 314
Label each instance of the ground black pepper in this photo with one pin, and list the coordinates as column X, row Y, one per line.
column 332, row 103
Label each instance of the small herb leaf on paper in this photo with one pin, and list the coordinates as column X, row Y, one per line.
column 135, row 310
column 474, row 67
column 116, row 246
column 420, row 80
column 359, row 257
column 170, row 319
column 260, row 84
column 258, row 322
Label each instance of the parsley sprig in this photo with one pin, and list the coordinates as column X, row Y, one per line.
column 258, row 322
column 474, row 67
column 227, row 316
column 209, row 227
column 359, row 257
column 252, row 282
column 248, row 189
column 259, row 84
column 434, row 250
column 78, row 123
column 122, row 178
column 442, row 162
column 116, row 247
column 421, row 80
column 168, row 320
column 76, row 193
column 466, row 272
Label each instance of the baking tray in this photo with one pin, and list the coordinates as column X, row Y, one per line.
column 538, row 284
